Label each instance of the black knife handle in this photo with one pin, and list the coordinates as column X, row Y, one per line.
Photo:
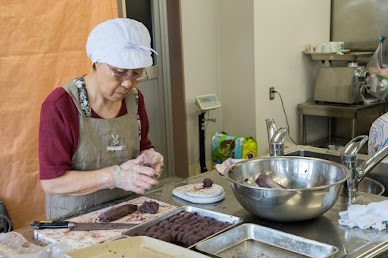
column 50, row 224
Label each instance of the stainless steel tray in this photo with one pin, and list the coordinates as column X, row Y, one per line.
column 200, row 212
column 251, row 240
column 140, row 246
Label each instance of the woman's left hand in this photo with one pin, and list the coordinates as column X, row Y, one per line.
column 152, row 158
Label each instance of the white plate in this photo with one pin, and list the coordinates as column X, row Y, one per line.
column 180, row 192
column 197, row 190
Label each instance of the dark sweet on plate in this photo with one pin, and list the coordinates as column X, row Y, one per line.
column 184, row 229
column 207, row 182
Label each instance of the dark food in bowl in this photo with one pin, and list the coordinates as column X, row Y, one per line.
column 184, row 229
column 117, row 212
column 149, row 207
column 207, row 182
column 265, row 181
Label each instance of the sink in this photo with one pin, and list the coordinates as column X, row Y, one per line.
column 314, row 154
column 367, row 185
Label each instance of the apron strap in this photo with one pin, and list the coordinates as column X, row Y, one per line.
column 83, row 96
column 136, row 91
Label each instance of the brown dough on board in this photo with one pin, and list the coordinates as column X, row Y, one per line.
column 149, row 207
column 117, row 212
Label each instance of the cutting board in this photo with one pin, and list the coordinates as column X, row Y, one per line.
column 80, row 239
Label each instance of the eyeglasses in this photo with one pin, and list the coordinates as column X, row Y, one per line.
column 122, row 76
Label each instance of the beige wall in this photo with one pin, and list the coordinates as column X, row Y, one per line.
column 200, row 55
column 237, row 66
column 237, row 50
column 280, row 36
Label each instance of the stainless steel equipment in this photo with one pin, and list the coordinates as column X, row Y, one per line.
column 312, row 186
column 198, row 211
column 276, row 138
column 352, row 242
column 375, row 183
column 357, row 173
column 359, row 23
column 358, row 117
column 251, row 240
column 340, row 84
column 369, row 185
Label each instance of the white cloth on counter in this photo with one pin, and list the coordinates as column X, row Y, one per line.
column 374, row 215
column 221, row 167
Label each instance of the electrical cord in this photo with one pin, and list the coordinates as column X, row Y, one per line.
column 281, row 99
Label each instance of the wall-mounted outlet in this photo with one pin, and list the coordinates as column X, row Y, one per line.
column 271, row 93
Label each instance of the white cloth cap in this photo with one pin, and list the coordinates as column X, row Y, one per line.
column 122, row 43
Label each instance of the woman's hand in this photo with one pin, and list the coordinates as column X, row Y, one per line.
column 129, row 176
column 152, row 159
column 135, row 178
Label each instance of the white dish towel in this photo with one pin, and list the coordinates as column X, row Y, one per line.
column 374, row 215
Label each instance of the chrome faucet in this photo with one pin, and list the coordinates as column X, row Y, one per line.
column 271, row 128
column 349, row 160
column 276, row 138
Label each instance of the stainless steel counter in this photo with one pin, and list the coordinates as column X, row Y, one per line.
column 351, row 242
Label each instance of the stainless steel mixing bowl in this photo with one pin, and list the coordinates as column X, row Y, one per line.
column 312, row 186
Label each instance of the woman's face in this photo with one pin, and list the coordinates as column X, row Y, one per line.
column 115, row 83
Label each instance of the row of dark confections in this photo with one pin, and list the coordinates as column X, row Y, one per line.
column 184, row 228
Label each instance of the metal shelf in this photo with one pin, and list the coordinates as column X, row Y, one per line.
column 352, row 114
column 361, row 57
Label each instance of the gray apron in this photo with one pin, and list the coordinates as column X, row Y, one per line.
column 101, row 143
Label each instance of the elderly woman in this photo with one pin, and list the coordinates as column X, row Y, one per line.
column 93, row 135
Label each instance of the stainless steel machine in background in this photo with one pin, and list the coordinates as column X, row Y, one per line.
column 340, row 84
column 342, row 80
column 358, row 24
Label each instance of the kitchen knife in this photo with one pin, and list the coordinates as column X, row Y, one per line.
column 80, row 226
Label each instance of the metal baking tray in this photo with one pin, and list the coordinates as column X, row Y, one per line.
column 140, row 246
column 251, row 240
column 200, row 212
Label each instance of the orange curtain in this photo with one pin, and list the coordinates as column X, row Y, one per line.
column 42, row 46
